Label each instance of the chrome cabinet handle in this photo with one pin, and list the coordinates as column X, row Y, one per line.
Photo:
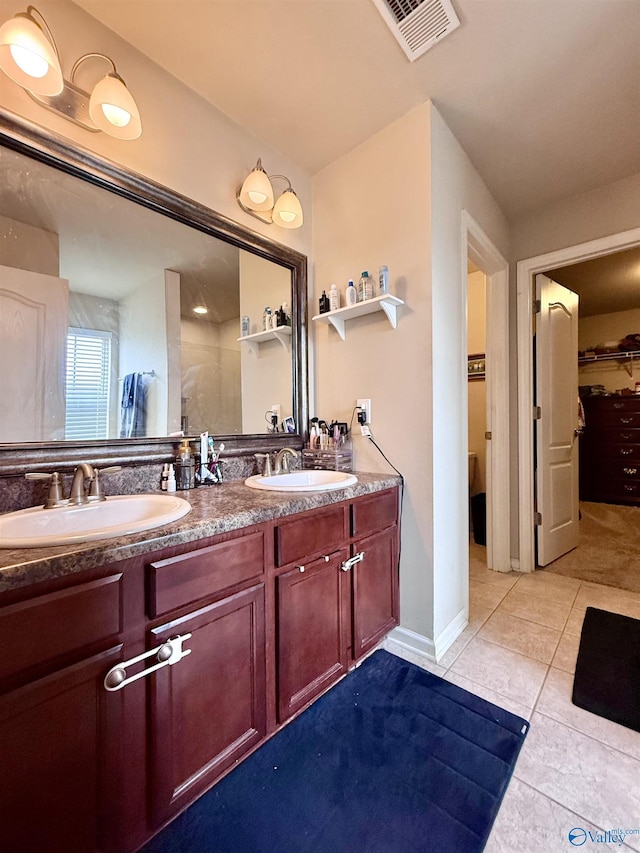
column 630, row 471
column 169, row 653
column 626, row 420
column 626, row 451
column 351, row 562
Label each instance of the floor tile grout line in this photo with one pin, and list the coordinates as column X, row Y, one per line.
column 591, row 737
column 558, row 803
column 516, row 651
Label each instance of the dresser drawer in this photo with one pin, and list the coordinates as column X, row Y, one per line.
column 42, row 629
column 205, row 572
column 320, row 532
column 374, row 512
column 606, row 469
column 617, row 491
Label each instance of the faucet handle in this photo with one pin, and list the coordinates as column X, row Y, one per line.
column 55, row 497
column 267, row 471
column 95, row 490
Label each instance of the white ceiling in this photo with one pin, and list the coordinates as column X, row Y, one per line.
column 543, row 95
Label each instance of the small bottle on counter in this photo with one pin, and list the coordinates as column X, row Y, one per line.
column 164, row 477
column 351, row 295
column 171, row 479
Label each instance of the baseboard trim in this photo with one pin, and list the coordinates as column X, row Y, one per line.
column 515, row 564
column 446, row 638
column 402, row 639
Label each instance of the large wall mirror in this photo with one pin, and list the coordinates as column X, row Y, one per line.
column 122, row 306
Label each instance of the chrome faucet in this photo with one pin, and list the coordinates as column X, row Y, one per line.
column 79, row 494
column 282, row 460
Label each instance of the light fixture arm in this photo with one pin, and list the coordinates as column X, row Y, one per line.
column 42, row 23
column 79, row 62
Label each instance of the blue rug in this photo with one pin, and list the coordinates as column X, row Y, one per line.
column 391, row 760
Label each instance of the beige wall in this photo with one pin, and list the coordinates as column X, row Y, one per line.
column 361, row 223
column 607, row 210
column 608, row 327
column 27, row 248
column 409, row 217
column 476, row 390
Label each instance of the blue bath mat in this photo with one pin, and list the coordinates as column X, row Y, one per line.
column 391, row 760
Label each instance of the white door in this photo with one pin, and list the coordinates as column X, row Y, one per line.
column 556, row 433
column 34, row 318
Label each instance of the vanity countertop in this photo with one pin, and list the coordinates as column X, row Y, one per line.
column 214, row 510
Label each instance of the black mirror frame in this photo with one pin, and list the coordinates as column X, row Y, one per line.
column 23, row 136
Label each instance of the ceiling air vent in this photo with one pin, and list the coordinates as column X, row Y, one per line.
column 418, row 24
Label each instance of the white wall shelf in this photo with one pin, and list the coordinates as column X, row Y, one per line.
column 282, row 334
column 387, row 303
column 625, row 359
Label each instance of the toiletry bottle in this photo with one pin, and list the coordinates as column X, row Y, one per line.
column 351, row 295
column 334, row 298
column 185, row 468
column 266, row 319
column 365, row 287
column 245, row 326
column 286, row 314
column 383, row 280
column 171, row 479
column 324, row 303
column 164, row 477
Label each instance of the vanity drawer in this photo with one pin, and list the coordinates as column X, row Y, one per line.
column 199, row 574
column 320, row 532
column 374, row 513
column 45, row 628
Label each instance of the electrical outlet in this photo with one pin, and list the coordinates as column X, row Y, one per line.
column 275, row 408
column 365, row 405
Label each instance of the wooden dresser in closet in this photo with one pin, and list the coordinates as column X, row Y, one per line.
column 610, row 450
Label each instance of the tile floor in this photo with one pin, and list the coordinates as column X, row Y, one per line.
column 519, row 651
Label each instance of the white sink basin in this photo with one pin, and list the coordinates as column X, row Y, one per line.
column 302, row 481
column 116, row 516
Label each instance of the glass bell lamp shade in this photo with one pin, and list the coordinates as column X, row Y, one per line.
column 257, row 192
column 287, row 212
column 113, row 110
column 29, row 58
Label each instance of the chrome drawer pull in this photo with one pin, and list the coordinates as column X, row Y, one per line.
column 630, row 471
column 626, row 420
column 168, row 653
column 626, row 451
column 629, row 488
column 351, row 562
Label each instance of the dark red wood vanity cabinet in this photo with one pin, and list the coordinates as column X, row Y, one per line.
column 271, row 616
column 335, row 607
column 62, row 747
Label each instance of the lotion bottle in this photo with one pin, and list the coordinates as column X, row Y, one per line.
column 171, row 479
column 383, row 280
column 351, row 295
column 334, row 298
column 365, row 287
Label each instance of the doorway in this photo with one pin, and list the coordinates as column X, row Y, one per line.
column 485, row 257
column 526, row 272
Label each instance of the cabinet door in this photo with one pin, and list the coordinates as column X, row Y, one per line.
column 208, row 709
column 60, row 757
column 375, row 589
column 313, row 618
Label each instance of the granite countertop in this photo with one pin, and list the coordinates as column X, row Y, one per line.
column 214, row 510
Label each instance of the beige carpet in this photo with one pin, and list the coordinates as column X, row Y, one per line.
column 608, row 551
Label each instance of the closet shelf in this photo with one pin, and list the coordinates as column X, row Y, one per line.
column 625, row 359
column 282, row 334
column 387, row 303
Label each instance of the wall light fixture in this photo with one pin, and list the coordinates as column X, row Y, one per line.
column 256, row 197
column 29, row 56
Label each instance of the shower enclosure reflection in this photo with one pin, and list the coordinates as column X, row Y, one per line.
column 117, row 321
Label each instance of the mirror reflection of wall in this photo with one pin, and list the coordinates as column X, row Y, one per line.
column 131, row 279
